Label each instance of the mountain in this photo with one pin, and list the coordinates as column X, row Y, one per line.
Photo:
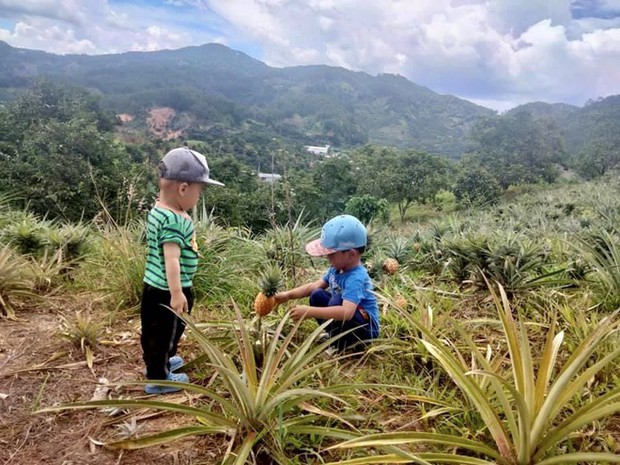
column 216, row 90
column 596, row 120
column 559, row 112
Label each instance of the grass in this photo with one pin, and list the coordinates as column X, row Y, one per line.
column 462, row 374
column 526, row 411
column 116, row 266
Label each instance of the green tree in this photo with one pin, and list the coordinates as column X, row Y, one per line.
column 58, row 153
column 366, row 208
column 475, row 185
column 517, row 149
column 307, row 197
column 601, row 153
column 336, row 179
column 597, row 158
column 401, row 177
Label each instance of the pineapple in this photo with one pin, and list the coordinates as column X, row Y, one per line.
column 390, row 265
column 397, row 250
column 401, row 301
column 269, row 284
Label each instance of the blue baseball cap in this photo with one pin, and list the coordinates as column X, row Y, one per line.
column 344, row 232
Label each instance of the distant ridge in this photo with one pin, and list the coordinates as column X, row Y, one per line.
column 214, row 85
column 216, row 92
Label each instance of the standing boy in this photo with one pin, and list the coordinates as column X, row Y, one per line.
column 350, row 301
column 171, row 263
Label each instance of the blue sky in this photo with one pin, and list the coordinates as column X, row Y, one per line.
column 497, row 53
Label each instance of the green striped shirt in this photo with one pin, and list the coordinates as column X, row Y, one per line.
column 163, row 226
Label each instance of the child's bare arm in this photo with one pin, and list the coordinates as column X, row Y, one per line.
column 301, row 291
column 342, row 312
column 172, row 254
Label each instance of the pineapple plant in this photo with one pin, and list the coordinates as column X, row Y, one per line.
column 14, row 282
column 270, row 283
column 26, row 236
column 374, row 267
column 83, row 331
column 397, row 250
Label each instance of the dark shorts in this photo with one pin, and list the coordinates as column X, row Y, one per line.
column 361, row 324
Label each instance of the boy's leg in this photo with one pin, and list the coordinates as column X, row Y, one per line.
column 179, row 325
column 158, row 331
column 320, row 298
column 360, row 327
column 359, row 335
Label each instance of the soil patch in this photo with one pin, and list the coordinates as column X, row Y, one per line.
column 39, row 369
column 160, row 121
column 125, row 117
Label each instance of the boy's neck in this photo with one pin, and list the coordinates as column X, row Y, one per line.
column 349, row 267
column 170, row 204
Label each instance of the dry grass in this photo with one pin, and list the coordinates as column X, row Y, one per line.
column 38, row 369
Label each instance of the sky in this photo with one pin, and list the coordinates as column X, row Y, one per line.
column 496, row 53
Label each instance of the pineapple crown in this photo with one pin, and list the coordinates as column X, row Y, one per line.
column 270, row 281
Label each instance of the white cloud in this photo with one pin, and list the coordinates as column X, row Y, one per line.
column 102, row 26
column 503, row 52
column 498, row 50
column 56, row 38
column 498, row 105
column 517, row 16
column 68, row 10
column 326, row 23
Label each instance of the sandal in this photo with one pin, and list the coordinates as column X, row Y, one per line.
column 175, row 362
column 177, row 377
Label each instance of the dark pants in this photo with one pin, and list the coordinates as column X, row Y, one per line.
column 161, row 329
column 361, row 326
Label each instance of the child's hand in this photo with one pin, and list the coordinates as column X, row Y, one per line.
column 300, row 312
column 178, row 303
column 280, row 298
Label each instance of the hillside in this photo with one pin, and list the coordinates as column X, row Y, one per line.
column 579, row 126
column 214, row 88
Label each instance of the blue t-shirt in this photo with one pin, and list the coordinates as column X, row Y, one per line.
column 355, row 286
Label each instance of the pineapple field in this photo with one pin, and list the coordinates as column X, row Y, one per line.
column 499, row 343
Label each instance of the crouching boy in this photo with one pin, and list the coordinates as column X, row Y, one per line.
column 345, row 293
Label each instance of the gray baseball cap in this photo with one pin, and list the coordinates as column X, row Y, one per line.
column 183, row 164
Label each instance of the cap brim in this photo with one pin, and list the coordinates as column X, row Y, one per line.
column 213, row 182
column 315, row 249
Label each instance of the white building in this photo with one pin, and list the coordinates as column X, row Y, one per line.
column 269, row 177
column 317, row 150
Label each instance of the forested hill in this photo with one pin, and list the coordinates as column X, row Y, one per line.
column 594, row 125
column 214, row 89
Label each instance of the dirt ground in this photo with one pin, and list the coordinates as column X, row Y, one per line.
column 39, row 369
